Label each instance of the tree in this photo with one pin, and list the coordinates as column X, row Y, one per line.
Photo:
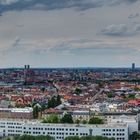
column 134, row 136
column 16, row 137
column 137, row 89
column 35, row 112
column 67, row 118
column 88, row 138
column 72, row 138
column 53, row 118
column 58, row 100
column 77, row 91
column 131, row 96
column 30, row 137
column 8, row 138
column 43, row 89
column 77, row 121
column 109, row 95
column 54, row 101
column 84, row 121
column 95, row 120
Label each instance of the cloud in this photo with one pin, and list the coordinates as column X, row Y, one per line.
column 72, row 52
column 7, row 2
column 16, row 42
column 121, row 30
column 137, row 28
column 8, row 5
column 85, row 47
column 131, row 16
column 116, row 30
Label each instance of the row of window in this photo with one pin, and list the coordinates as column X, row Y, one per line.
column 58, row 129
column 121, row 130
column 60, row 137
column 2, row 122
column 18, row 127
column 2, row 126
column 11, row 127
column 10, row 123
column 53, row 133
column 15, row 131
column 27, row 132
column 109, row 134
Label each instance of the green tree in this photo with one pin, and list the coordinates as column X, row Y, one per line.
column 134, row 136
column 16, row 137
column 77, row 91
column 131, row 96
column 35, row 112
column 109, row 95
column 137, row 89
column 54, row 101
column 30, row 137
column 58, row 100
column 67, row 118
column 95, row 120
column 84, row 122
column 43, row 89
column 77, row 121
column 53, row 118
column 72, row 138
column 88, row 138
column 8, row 138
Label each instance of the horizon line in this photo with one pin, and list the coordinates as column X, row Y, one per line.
column 73, row 67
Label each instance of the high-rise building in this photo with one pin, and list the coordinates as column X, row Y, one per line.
column 133, row 66
column 27, row 67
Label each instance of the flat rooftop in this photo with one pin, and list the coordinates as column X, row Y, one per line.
column 37, row 123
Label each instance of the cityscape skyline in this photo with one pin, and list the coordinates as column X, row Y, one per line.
column 75, row 67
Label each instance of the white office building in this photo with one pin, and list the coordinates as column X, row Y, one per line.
column 120, row 131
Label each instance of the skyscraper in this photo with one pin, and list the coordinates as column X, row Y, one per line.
column 133, row 66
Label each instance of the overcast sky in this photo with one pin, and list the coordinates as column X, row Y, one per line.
column 69, row 33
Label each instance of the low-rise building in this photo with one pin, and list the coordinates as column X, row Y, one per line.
column 10, row 127
column 16, row 113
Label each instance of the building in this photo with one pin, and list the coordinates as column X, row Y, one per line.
column 118, row 130
column 81, row 115
column 16, row 113
column 133, row 66
column 76, row 114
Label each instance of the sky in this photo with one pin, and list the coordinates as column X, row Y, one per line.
column 69, row 33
